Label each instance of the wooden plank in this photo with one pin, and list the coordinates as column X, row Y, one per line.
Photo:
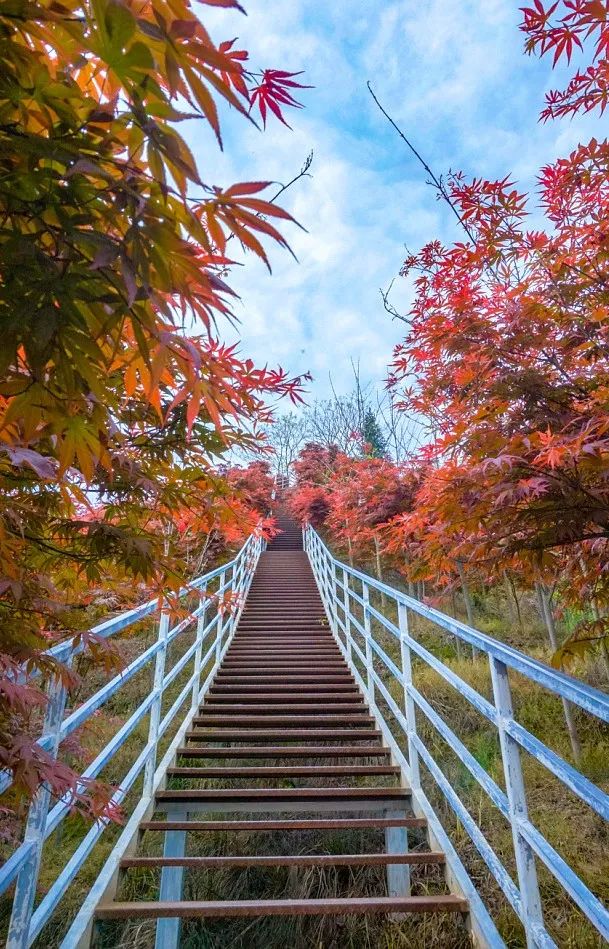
column 313, row 708
column 287, row 751
column 298, row 860
column 264, row 826
column 319, row 720
column 283, row 794
column 311, row 698
column 270, row 674
column 284, row 734
column 283, row 771
column 324, row 907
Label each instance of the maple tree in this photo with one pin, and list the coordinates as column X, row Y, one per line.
column 366, row 493
column 116, row 394
column 353, row 497
column 508, row 344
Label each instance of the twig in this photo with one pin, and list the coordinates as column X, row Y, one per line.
column 437, row 182
column 303, row 173
column 389, row 307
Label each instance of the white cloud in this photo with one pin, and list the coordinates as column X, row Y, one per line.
column 453, row 75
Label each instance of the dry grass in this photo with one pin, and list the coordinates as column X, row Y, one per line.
column 286, row 883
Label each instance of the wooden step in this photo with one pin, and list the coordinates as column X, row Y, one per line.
column 289, row 860
column 361, row 718
column 277, row 639
column 278, row 688
column 292, row 649
column 287, row 751
column 280, row 698
column 291, row 771
column 264, row 826
column 312, row 708
column 243, row 678
column 285, row 734
column 205, row 795
column 278, row 666
column 311, row 660
column 285, row 658
column 201, row 909
column 327, row 663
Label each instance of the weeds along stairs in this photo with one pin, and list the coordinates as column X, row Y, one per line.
column 283, row 799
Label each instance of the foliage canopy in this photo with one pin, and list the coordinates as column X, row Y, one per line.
column 116, row 393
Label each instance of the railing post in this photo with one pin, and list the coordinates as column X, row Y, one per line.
column 368, row 639
column 172, row 881
column 25, row 889
column 409, row 706
column 220, row 622
column 199, row 649
column 334, row 597
column 321, row 561
column 324, row 578
column 532, row 916
column 329, row 574
column 156, row 708
column 241, row 586
column 347, row 612
column 233, row 602
column 398, row 874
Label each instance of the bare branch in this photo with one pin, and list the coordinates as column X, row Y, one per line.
column 388, row 306
column 435, row 181
column 303, row 173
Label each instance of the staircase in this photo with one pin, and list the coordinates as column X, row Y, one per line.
column 283, row 760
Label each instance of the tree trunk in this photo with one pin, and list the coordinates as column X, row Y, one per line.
column 457, row 640
column 350, row 551
column 414, row 618
column 545, row 608
column 512, row 599
column 604, row 647
column 597, row 617
column 379, row 569
column 469, row 609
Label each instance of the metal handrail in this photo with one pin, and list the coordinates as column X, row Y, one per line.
column 23, row 866
column 334, row 579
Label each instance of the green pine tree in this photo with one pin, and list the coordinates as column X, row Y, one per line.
column 372, row 435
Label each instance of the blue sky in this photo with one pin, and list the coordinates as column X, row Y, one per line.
column 453, row 75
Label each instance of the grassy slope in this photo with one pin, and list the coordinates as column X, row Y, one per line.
column 576, row 832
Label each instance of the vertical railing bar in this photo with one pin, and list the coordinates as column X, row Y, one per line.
column 323, row 561
column 347, row 612
column 367, row 638
column 156, row 708
column 409, row 705
column 326, row 597
column 203, row 604
column 27, row 880
column 515, row 788
column 334, row 610
column 219, row 626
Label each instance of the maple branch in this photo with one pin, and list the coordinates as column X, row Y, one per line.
column 437, row 182
column 303, row 173
column 389, row 307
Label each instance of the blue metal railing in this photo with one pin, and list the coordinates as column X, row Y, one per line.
column 337, row 583
column 216, row 616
